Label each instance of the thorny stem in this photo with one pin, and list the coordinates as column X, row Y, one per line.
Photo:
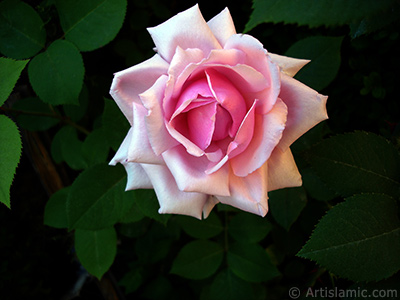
column 55, row 115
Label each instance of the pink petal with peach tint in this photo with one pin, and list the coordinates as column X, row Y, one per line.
column 160, row 139
column 190, row 176
column 222, row 26
column 306, row 108
column 289, row 65
column 282, row 170
column 258, row 59
column 140, row 150
column 267, row 134
column 171, row 199
column 209, row 205
column 129, row 83
column 187, row 29
column 249, row 193
column 229, row 97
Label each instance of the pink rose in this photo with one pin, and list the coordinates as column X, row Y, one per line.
column 213, row 115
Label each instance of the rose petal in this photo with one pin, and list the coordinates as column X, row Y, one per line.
column 171, row 199
column 191, row 62
column 241, row 141
column 190, row 176
column 140, row 150
column 268, row 132
column 222, row 26
column 306, row 108
column 137, row 177
column 258, row 59
column 282, row 170
column 157, row 133
column 201, row 123
column 223, row 122
column 128, row 84
column 289, row 65
column 244, row 134
column 249, row 193
column 187, row 29
column 209, row 205
column 229, row 97
column 193, row 90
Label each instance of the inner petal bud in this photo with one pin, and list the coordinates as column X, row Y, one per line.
column 201, row 124
column 223, row 123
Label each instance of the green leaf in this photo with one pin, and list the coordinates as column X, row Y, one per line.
column 228, row 286
column 358, row 239
column 34, row 115
column 22, row 32
column 201, row 229
column 324, row 53
column 55, row 212
column 96, row 249
column 10, row 152
column 286, row 205
column 96, row 199
column 10, row 70
column 116, row 126
column 132, row 280
column 95, row 148
column 314, row 13
column 67, row 147
column 249, row 228
column 251, row 262
column 378, row 20
column 357, row 162
column 146, row 201
column 56, row 75
column 198, row 259
column 315, row 187
column 77, row 112
column 134, row 214
column 91, row 24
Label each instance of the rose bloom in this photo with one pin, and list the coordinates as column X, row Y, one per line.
column 212, row 117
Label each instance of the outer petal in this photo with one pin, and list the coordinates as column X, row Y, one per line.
column 282, row 170
column 249, row 193
column 137, row 178
column 268, row 132
column 158, row 135
column 140, row 149
column 190, row 176
column 171, row 199
column 306, row 108
column 209, row 205
column 258, row 59
column 289, row 65
column 187, row 29
column 222, row 26
column 128, row 84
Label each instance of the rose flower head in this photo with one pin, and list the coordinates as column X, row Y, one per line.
column 212, row 117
